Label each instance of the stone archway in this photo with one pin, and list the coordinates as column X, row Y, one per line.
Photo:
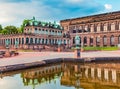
column 112, row 40
column 105, row 40
column 31, row 40
column 85, row 41
column 27, row 40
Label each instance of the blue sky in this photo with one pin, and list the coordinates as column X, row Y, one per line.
column 13, row 12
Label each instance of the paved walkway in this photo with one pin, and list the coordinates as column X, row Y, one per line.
column 28, row 57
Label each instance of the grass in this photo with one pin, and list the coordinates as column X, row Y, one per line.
column 108, row 48
column 101, row 48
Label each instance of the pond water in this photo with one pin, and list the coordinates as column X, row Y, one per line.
column 64, row 76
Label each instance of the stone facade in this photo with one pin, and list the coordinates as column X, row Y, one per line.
column 96, row 30
column 36, row 35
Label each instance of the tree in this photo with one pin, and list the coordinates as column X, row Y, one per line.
column 1, row 27
column 4, row 31
column 11, row 29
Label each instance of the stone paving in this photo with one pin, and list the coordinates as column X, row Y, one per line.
column 28, row 57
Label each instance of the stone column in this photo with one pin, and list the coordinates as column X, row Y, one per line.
column 94, row 41
column 88, row 41
column 101, row 41
column 33, row 40
column 0, row 41
column 116, row 40
column 108, row 41
column 82, row 41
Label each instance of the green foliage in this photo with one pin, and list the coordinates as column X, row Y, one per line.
column 10, row 29
column 1, row 27
column 4, row 31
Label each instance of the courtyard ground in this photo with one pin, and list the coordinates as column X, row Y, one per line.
column 29, row 57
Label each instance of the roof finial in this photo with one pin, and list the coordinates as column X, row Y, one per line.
column 33, row 17
column 54, row 22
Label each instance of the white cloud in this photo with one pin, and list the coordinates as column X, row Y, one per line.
column 108, row 6
column 13, row 13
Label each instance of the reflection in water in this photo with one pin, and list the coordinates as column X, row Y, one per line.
column 73, row 76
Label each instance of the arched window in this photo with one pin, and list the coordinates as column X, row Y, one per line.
column 112, row 40
column 85, row 40
column 91, row 40
column 35, row 30
column 64, row 41
column 56, row 41
column 42, row 41
column 98, row 28
column 31, row 40
column 27, row 40
column 105, row 26
column 112, row 26
column 46, row 41
column 92, row 28
column 105, row 40
column 86, row 29
column 98, row 39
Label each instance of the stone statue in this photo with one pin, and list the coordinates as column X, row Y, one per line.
column 77, row 40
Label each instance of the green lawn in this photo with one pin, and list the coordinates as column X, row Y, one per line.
column 100, row 48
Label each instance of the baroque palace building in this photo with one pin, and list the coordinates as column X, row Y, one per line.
column 36, row 34
column 96, row 30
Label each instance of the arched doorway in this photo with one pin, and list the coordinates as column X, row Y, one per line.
column 85, row 41
column 91, row 41
column 112, row 40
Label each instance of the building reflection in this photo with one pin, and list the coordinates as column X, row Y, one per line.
column 41, row 75
column 87, row 76
column 92, row 76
